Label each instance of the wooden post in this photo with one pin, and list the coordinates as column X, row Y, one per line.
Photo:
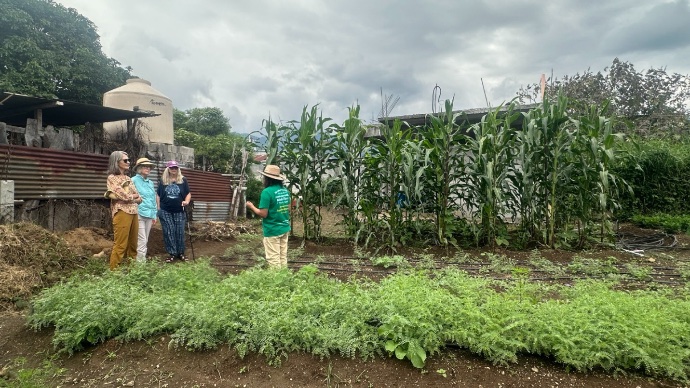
column 6, row 202
column 3, row 134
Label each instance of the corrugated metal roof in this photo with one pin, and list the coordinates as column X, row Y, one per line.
column 15, row 109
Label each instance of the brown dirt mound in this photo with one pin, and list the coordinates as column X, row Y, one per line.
column 88, row 241
column 31, row 258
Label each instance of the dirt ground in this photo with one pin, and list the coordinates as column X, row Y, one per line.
column 153, row 363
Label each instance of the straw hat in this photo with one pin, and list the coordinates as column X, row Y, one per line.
column 273, row 171
column 144, row 162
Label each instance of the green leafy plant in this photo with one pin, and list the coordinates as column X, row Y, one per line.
column 411, row 315
column 389, row 261
column 37, row 377
column 593, row 267
column 639, row 272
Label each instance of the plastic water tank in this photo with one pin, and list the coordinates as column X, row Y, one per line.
column 139, row 94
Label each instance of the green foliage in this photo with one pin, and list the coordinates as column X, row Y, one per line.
column 48, row 50
column 254, row 187
column 639, row 272
column 593, row 267
column 498, row 263
column 27, row 377
column 653, row 101
column 389, row 261
column 490, row 163
column 216, row 149
column 247, row 246
column 444, row 172
column 410, row 315
column 305, row 150
column 596, row 327
column 667, row 222
column 208, row 122
column 545, row 265
column 656, row 171
column 220, row 153
column 350, row 146
column 446, row 182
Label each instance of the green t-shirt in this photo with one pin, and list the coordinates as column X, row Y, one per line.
column 277, row 200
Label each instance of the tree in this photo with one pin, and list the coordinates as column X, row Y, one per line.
column 653, row 101
column 50, row 51
column 207, row 131
column 202, row 121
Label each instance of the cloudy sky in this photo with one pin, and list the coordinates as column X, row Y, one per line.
column 255, row 58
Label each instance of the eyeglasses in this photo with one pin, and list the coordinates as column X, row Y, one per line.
column 124, row 160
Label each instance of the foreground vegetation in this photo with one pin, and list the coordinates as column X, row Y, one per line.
column 411, row 315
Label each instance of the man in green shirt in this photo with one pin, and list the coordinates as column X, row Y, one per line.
column 274, row 208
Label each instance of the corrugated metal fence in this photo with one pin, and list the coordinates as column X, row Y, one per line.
column 45, row 174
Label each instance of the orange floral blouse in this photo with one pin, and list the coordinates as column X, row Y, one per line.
column 124, row 189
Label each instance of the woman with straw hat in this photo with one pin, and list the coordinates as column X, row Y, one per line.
column 274, row 209
column 147, row 209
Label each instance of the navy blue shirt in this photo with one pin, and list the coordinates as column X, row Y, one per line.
column 172, row 195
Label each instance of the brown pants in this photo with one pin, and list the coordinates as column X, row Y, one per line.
column 125, row 229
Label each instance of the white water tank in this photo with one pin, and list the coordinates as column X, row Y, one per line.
column 140, row 94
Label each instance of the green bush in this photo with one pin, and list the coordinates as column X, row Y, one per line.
column 658, row 173
column 667, row 222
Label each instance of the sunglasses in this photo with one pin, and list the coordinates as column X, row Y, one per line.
column 124, row 160
column 173, row 168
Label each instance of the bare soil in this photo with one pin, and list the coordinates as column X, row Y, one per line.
column 153, row 363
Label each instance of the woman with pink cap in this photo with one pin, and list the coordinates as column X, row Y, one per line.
column 172, row 196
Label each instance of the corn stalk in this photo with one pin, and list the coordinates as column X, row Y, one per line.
column 444, row 141
column 490, row 162
column 382, row 184
column 307, row 154
column 349, row 151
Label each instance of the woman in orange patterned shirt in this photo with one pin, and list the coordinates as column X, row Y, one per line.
column 123, row 208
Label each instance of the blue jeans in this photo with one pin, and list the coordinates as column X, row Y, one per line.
column 173, row 231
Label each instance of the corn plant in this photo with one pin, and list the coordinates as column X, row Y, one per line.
column 595, row 144
column 350, row 145
column 272, row 135
column 307, row 155
column 444, row 141
column 545, row 173
column 382, row 185
column 490, row 163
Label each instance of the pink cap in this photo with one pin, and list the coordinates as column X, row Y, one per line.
column 171, row 163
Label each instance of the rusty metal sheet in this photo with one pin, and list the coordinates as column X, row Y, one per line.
column 42, row 173
column 211, row 211
column 208, row 186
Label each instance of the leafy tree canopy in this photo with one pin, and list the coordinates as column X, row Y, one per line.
column 654, row 101
column 48, row 50
column 207, row 130
column 202, row 121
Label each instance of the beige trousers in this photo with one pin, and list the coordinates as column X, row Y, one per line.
column 276, row 250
